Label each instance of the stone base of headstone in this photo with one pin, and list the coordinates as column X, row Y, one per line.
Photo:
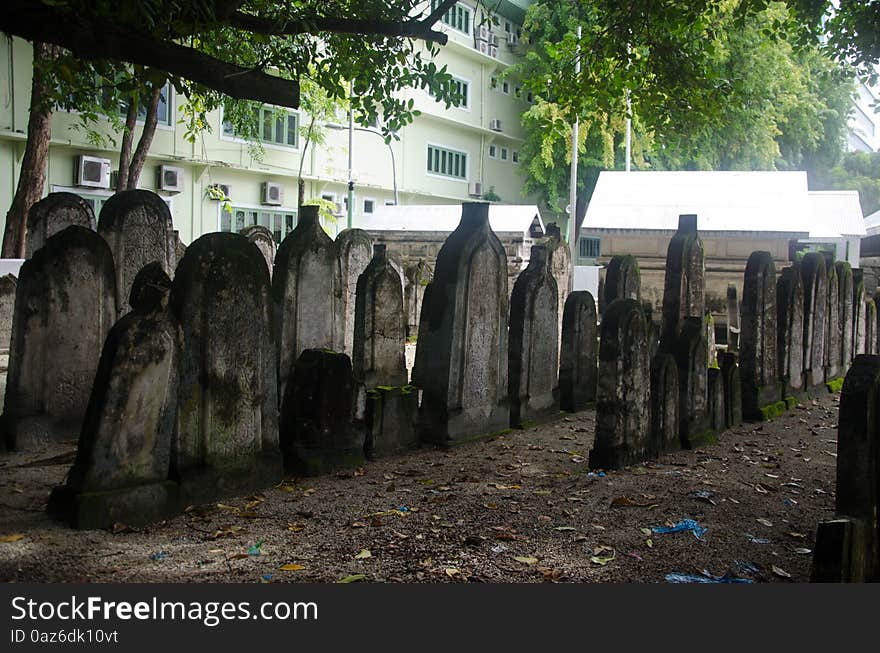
column 209, row 484
column 717, row 409
column 756, row 401
column 463, row 425
column 535, row 410
column 37, row 432
column 390, row 416
column 840, row 552
column 133, row 506
column 616, row 457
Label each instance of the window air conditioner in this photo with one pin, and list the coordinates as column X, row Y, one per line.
column 475, row 189
column 170, row 178
column 495, row 124
column 92, row 171
column 272, row 193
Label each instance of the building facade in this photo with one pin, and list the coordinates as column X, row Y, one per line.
column 445, row 156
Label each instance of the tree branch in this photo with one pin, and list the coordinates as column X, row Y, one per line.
column 93, row 38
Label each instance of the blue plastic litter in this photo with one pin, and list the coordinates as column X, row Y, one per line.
column 684, row 525
column 757, row 540
column 788, row 502
column 705, row 578
column 747, row 567
column 158, row 555
column 403, row 509
column 601, row 474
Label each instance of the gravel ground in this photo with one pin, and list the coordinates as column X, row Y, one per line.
column 522, row 507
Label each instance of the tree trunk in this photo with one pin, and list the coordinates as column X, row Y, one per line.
column 301, row 184
column 32, row 179
column 139, row 158
column 127, row 140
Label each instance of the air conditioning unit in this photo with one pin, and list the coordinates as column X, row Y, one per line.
column 483, row 47
column 493, row 51
column 495, row 124
column 92, row 171
column 484, row 34
column 512, row 39
column 475, row 189
column 272, row 193
column 170, row 179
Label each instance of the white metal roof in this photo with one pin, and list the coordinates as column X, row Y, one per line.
column 506, row 218
column 835, row 214
column 872, row 223
column 722, row 200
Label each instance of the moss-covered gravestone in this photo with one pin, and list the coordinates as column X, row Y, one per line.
column 815, row 280
column 871, row 327
column 664, row 405
column 732, row 387
column 758, row 358
column 683, row 285
column 65, row 304
column 790, row 331
column 833, row 344
column 418, row 276
column 227, row 434
column 848, row 547
column 306, row 294
column 462, row 347
column 391, row 416
column 265, row 242
column 52, row 214
column 121, row 473
column 578, row 365
column 317, row 431
column 716, row 408
column 354, row 249
column 138, row 227
column 690, row 355
column 846, row 317
column 733, row 322
column 559, row 257
column 623, row 280
column 858, row 302
column 623, row 420
column 533, row 348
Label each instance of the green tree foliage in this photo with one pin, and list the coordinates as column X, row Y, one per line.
column 857, row 171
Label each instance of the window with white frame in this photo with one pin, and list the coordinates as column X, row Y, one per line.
column 493, row 82
column 493, row 151
column 446, row 162
column 505, row 88
column 279, row 222
column 163, row 109
column 504, row 154
column 461, row 88
column 514, row 156
column 458, row 17
column 369, row 206
column 275, row 126
column 517, row 91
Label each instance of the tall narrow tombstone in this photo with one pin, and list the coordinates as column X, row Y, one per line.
column 7, row 308
column 716, row 408
column 848, row 547
column 227, row 422
column 65, row 304
column 578, row 365
column 418, row 277
column 623, row 420
column 732, row 386
column 264, row 240
column 683, row 289
column 52, row 214
column 354, row 249
column 871, row 327
column 622, row 279
column 733, row 323
column 559, row 256
column 121, row 472
column 758, row 358
column 832, row 326
column 664, row 404
column 306, row 294
column 532, row 355
column 379, row 325
column 138, row 227
column 790, row 330
column 858, row 302
column 693, row 384
column 845, row 314
column 462, row 350
column 815, row 280
column 318, row 434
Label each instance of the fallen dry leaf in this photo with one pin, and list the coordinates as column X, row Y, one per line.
column 14, row 537
column 290, row 566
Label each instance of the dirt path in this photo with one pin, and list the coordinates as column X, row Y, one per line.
column 520, row 508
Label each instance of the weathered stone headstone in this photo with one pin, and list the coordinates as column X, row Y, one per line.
column 462, row 347
column 227, row 422
column 623, row 420
column 418, row 276
column 733, row 323
column 417, row 376
column 318, row 434
column 306, row 294
column 623, row 280
column 833, row 343
column 871, row 327
column 664, row 404
column 179, row 247
column 732, row 387
column 65, row 305
column 379, row 325
column 559, row 255
column 533, row 348
column 858, row 313
column 758, row 359
column 845, row 323
column 7, row 308
column 848, row 547
column 52, row 214
column 815, row 280
column 790, row 330
column 693, row 418
column 391, row 420
column 683, row 286
column 354, row 249
column 711, row 348
column 716, row 408
column 121, row 472
column 264, row 240
column 138, row 227
column 578, row 365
